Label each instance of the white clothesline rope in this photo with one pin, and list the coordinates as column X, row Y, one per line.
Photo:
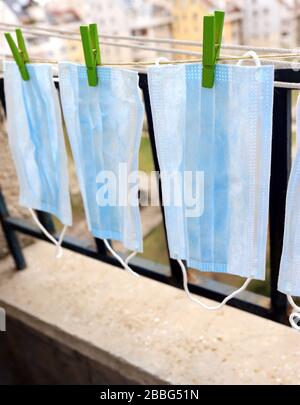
column 284, row 53
column 265, row 59
column 277, row 84
column 70, row 35
column 76, row 36
column 115, row 44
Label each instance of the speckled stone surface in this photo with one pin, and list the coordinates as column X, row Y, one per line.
column 145, row 330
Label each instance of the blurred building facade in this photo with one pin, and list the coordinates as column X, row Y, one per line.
column 234, row 20
column 188, row 16
column 145, row 18
column 148, row 19
column 267, row 23
column 61, row 14
column 297, row 16
column 270, row 23
column 187, row 21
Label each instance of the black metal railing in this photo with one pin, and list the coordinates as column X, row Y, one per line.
column 276, row 306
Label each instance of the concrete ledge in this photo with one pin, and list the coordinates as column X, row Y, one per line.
column 76, row 320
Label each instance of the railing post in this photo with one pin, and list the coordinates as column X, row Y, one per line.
column 101, row 249
column 280, row 169
column 10, row 236
column 2, row 95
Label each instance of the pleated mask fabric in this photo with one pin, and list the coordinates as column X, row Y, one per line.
column 289, row 274
column 36, row 140
column 222, row 134
column 104, row 125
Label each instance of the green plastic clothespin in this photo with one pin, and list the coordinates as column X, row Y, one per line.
column 91, row 50
column 19, row 52
column 212, row 38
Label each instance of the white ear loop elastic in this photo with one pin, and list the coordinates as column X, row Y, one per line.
column 57, row 243
column 182, row 266
column 59, row 250
column 253, row 55
column 120, row 260
column 197, row 301
column 132, row 254
column 295, row 314
column 161, row 59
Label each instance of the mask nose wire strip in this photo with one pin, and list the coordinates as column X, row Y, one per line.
column 195, row 300
column 295, row 314
column 119, row 258
column 57, row 243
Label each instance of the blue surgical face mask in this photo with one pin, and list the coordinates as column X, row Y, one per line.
column 222, row 137
column 36, row 140
column 104, row 124
column 289, row 275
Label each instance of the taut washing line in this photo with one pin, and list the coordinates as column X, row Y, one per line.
column 72, row 35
